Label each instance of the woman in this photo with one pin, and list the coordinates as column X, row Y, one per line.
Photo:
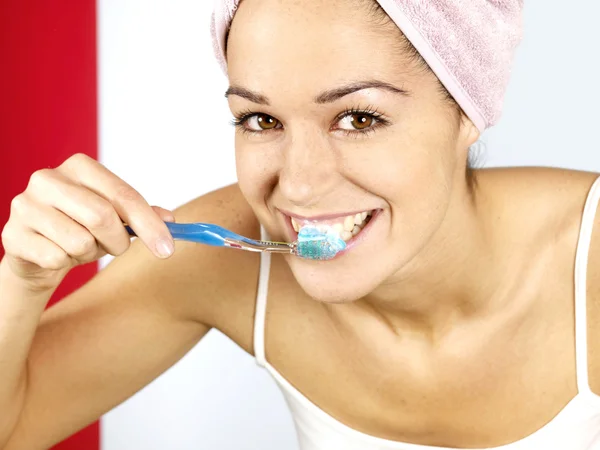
column 448, row 323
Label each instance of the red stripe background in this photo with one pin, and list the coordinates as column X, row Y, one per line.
column 47, row 109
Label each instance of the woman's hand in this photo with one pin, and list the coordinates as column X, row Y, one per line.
column 73, row 215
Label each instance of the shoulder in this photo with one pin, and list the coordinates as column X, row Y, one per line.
column 537, row 183
column 544, row 199
column 554, row 200
column 226, row 205
column 214, row 285
column 548, row 203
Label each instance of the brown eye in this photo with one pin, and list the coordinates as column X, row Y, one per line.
column 361, row 121
column 266, row 122
column 356, row 122
column 261, row 122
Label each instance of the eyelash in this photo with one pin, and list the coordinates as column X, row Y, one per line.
column 239, row 121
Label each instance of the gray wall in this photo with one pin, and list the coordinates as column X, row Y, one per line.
column 552, row 108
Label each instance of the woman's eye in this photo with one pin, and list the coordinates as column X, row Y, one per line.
column 261, row 122
column 351, row 122
column 359, row 122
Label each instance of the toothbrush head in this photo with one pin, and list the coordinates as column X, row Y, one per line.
column 318, row 245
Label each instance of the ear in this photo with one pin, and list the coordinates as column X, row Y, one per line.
column 468, row 132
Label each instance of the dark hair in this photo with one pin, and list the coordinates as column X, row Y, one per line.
column 380, row 17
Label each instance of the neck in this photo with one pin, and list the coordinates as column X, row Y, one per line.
column 459, row 274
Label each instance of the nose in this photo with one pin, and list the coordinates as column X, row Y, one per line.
column 309, row 170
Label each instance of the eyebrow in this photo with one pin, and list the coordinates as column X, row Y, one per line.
column 337, row 93
column 328, row 96
column 254, row 97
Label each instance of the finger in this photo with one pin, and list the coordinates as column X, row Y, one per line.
column 91, row 211
column 128, row 203
column 164, row 214
column 75, row 239
column 30, row 248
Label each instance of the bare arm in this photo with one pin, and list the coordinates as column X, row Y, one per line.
column 593, row 307
column 125, row 327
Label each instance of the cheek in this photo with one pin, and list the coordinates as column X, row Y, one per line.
column 255, row 167
column 413, row 175
column 400, row 167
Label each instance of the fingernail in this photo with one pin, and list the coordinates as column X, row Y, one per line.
column 164, row 248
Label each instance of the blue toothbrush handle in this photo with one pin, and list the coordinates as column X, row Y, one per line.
column 311, row 244
column 202, row 233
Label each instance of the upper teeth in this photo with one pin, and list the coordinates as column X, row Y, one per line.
column 349, row 223
column 346, row 227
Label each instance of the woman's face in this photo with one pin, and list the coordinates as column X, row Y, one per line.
column 334, row 120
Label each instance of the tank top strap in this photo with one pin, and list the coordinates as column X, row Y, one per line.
column 581, row 269
column 261, row 303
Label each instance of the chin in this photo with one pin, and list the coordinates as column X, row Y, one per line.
column 332, row 286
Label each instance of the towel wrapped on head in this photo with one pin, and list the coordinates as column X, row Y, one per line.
column 468, row 44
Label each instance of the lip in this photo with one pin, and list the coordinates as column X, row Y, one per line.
column 350, row 244
column 324, row 216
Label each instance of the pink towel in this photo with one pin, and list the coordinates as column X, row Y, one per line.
column 469, row 45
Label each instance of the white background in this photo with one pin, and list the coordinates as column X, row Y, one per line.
column 164, row 127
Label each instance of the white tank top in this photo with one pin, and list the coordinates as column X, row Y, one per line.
column 575, row 427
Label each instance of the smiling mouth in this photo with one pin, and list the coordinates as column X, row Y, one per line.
column 346, row 227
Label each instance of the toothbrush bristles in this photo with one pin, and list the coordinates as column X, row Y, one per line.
column 318, row 245
column 317, row 249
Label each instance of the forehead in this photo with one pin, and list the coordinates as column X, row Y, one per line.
column 294, row 43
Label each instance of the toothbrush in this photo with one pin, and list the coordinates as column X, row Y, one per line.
column 312, row 243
